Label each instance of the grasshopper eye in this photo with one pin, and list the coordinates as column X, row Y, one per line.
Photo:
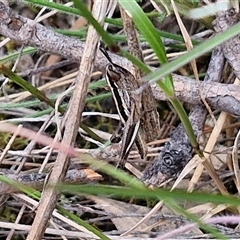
column 112, row 73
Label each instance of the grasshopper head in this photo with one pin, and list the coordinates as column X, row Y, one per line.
column 115, row 72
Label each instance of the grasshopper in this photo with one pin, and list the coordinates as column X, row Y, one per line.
column 129, row 106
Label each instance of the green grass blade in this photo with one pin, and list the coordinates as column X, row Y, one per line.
column 12, row 56
column 55, row 6
column 156, row 194
column 146, row 28
column 25, row 85
column 198, row 51
column 21, row 187
column 136, row 61
column 87, row 14
column 151, row 34
column 186, row 124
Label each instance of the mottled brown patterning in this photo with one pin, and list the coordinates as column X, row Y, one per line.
column 123, row 86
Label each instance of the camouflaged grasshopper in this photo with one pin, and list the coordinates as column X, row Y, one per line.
column 129, row 106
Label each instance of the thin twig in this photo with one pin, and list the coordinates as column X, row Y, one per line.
column 50, row 194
